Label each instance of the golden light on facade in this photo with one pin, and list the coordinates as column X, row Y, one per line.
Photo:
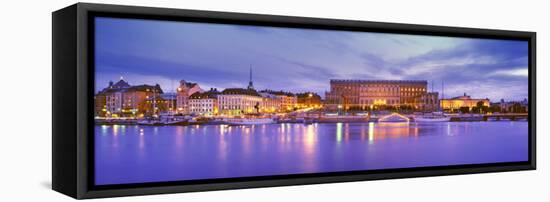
column 458, row 103
column 379, row 102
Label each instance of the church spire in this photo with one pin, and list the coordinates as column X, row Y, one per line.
column 250, row 85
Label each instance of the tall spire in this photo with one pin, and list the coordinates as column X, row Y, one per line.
column 250, row 85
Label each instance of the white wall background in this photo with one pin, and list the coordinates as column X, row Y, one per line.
column 25, row 100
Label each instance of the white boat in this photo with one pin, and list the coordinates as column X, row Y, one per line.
column 433, row 117
column 249, row 121
column 150, row 122
column 172, row 120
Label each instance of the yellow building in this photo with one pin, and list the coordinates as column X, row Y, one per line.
column 239, row 101
column 270, row 103
column 286, row 101
column 308, row 99
column 462, row 101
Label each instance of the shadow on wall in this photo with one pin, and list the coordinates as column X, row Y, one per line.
column 46, row 184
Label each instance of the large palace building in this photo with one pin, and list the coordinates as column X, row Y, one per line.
column 365, row 94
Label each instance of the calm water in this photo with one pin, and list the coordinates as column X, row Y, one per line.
column 134, row 154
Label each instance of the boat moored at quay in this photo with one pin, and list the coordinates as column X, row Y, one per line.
column 432, row 117
column 308, row 119
column 248, row 121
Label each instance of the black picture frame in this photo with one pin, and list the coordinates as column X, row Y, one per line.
column 73, row 91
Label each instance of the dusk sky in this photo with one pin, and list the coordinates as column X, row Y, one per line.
column 299, row 60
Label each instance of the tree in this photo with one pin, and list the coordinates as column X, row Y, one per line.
column 464, row 110
column 479, row 107
column 517, row 108
column 494, row 108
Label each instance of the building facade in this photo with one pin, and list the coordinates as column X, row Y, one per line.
column 168, row 103
column 204, row 104
column 512, row 106
column 100, row 104
column 308, row 100
column 270, row 103
column 184, row 90
column 365, row 94
column 123, row 100
column 287, row 101
column 239, row 101
column 455, row 103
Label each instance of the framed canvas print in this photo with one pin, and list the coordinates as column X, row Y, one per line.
column 154, row 100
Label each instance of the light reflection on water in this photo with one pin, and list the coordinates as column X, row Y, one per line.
column 371, row 132
column 129, row 154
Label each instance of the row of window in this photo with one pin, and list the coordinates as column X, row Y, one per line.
column 380, row 89
column 235, row 107
column 202, row 105
column 201, row 109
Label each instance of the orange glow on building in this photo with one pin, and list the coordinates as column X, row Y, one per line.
column 462, row 101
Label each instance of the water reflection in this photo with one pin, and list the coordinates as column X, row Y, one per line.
column 131, row 154
column 339, row 132
column 116, row 129
column 371, row 132
column 104, row 129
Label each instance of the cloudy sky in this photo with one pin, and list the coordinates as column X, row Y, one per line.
column 297, row 60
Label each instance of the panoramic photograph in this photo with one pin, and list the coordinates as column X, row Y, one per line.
column 181, row 101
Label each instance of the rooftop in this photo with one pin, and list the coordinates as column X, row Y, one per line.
column 212, row 94
column 123, row 86
column 240, row 91
column 277, row 92
column 379, row 81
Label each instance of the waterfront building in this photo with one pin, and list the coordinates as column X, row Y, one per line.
column 288, row 101
column 270, row 103
column 465, row 101
column 308, row 100
column 184, row 90
column 113, row 97
column 239, row 101
column 167, row 103
column 205, row 104
column 123, row 100
column 100, row 104
column 135, row 95
column 365, row 94
column 513, row 106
